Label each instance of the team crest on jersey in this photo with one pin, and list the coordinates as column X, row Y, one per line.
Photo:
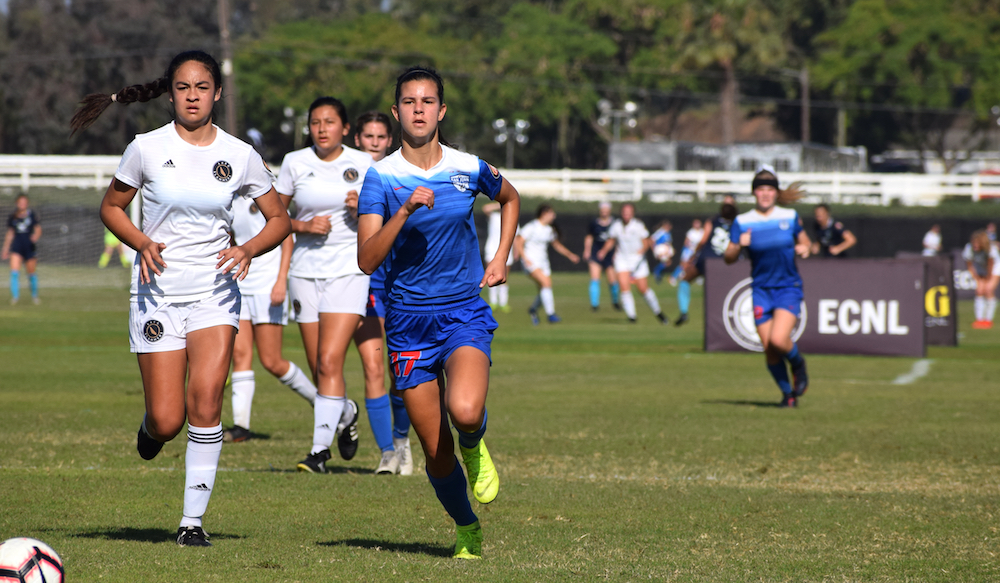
column 493, row 170
column 152, row 330
column 253, row 208
column 222, row 171
column 350, row 175
column 461, row 181
column 784, row 225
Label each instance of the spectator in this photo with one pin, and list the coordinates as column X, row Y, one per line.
column 932, row 241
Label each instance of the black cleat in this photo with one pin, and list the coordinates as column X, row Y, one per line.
column 146, row 445
column 800, row 380
column 315, row 463
column 788, row 401
column 616, row 306
column 347, row 441
column 235, row 434
column 681, row 320
column 595, row 308
column 192, row 536
column 631, row 320
column 663, row 319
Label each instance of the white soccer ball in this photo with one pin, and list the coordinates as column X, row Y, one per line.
column 27, row 560
column 663, row 252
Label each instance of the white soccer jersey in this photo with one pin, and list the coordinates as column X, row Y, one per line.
column 980, row 259
column 187, row 204
column 536, row 242
column 932, row 243
column 631, row 242
column 693, row 237
column 247, row 222
column 318, row 189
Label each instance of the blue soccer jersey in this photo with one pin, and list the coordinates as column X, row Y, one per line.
column 772, row 246
column 435, row 259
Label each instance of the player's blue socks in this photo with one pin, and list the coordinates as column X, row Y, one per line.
column 15, row 284
column 595, row 293
column 684, row 296
column 452, row 492
column 616, row 293
column 794, row 358
column 470, row 440
column 33, row 279
column 780, row 373
column 379, row 417
column 400, row 418
column 658, row 271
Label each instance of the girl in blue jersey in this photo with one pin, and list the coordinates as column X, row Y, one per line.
column 773, row 235
column 416, row 209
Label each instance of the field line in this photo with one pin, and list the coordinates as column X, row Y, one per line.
column 919, row 370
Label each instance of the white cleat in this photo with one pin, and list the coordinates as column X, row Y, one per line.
column 389, row 463
column 404, row 455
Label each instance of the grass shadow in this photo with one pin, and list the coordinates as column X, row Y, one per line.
column 774, row 404
column 143, row 535
column 329, row 470
column 434, row 550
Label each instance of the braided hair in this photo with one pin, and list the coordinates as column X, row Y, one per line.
column 94, row 104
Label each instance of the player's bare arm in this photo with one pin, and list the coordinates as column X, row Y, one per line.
column 375, row 239
column 117, row 198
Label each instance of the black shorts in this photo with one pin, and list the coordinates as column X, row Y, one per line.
column 23, row 247
column 608, row 261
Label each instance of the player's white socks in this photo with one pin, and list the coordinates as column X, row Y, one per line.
column 651, row 301
column 548, row 300
column 503, row 291
column 326, row 412
column 494, row 296
column 991, row 308
column 979, row 306
column 628, row 304
column 201, row 462
column 243, row 389
column 296, row 380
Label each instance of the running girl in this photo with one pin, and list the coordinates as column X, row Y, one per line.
column 632, row 239
column 23, row 231
column 714, row 242
column 263, row 317
column 416, row 209
column 597, row 235
column 532, row 246
column 328, row 291
column 374, row 136
column 185, row 298
column 983, row 262
column 774, row 236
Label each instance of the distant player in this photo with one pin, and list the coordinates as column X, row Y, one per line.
column 113, row 245
column 692, row 239
column 374, row 137
column 663, row 248
column 416, row 209
column 597, row 235
column 629, row 235
column 532, row 245
column 932, row 241
column 185, row 297
column 983, row 261
column 329, row 292
column 714, row 241
column 23, row 231
column 773, row 235
column 499, row 294
column 832, row 239
column 263, row 317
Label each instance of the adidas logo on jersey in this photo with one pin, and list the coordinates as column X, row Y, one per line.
column 200, row 488
column 324, row 426
column 169, row 164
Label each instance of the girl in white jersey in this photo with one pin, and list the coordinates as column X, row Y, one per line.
column 631, row 238
column 374, row 136
column 329, row 292
column 983, row 262
column 185, row 298
column 532, row 245
column 263, row 317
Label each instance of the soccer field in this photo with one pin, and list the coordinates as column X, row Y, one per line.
column 625, row 453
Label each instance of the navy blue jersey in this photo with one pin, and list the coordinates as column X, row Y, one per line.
column 830, row 235
column 435, row 259
column 599, row 232
column 23, row 226
column 718, row 241
column 772, row 246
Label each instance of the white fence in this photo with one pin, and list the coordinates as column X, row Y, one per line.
column 26, row 172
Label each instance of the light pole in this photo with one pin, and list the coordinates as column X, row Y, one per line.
column 608, row 113
column 508, row 134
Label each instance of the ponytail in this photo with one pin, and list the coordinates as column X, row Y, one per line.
column 94, row 104
column 791, row 195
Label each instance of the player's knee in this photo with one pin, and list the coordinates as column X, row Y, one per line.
column 329, row 366
column 164, row 426
column 274, row 364
column 466, row 415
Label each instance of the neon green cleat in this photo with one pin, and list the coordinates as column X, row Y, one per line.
column 482, row 473
column 469, row 544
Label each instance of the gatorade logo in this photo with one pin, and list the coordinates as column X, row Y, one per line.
column 937, row 303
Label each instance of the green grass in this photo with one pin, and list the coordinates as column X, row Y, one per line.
column 625, row 453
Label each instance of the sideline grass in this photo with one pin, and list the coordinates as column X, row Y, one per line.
column 625, row 453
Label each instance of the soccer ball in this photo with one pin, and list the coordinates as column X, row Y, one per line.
column 663, row 252
column 26, row 560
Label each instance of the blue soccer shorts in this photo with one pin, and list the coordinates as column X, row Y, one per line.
column 376, row 302
column 768, row 299
column 421, row 339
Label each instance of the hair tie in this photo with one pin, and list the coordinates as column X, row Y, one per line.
column 114, row 97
